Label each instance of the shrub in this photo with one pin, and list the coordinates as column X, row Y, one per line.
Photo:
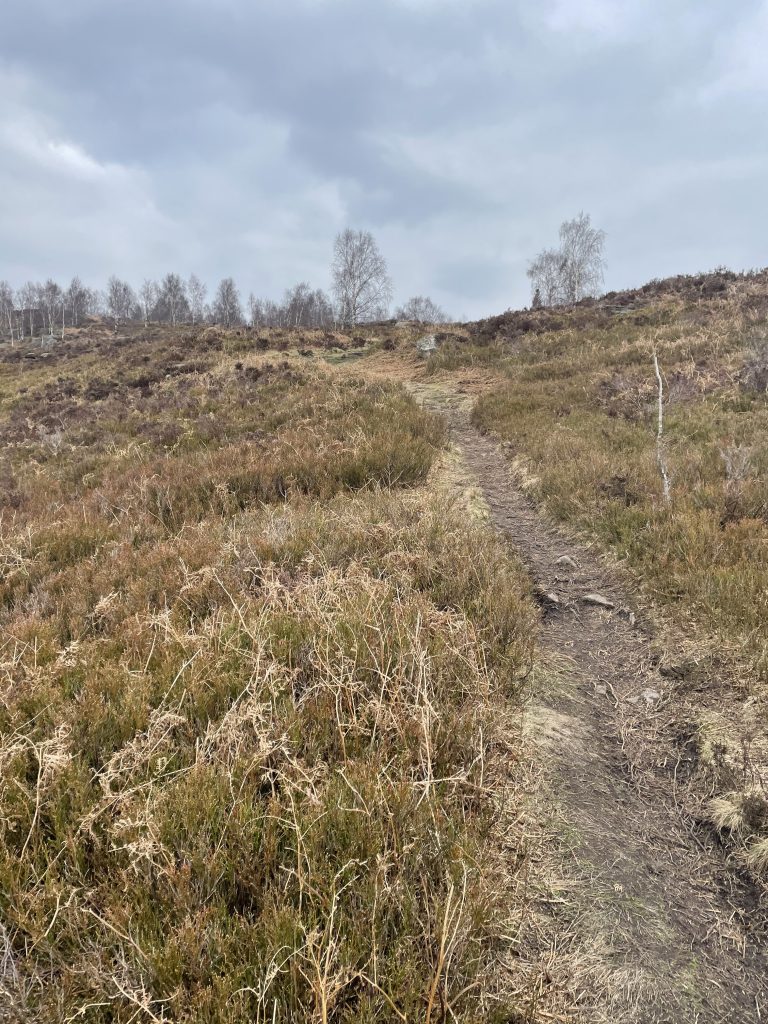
column 257, row 684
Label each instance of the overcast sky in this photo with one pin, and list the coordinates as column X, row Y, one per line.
column 236, row 137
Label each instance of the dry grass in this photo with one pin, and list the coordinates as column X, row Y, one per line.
column 256, row 692
column 579, row 413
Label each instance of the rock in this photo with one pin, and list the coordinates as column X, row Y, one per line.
column 566, row 560
column 598, row 601
column 427, row 345
column 649, row 696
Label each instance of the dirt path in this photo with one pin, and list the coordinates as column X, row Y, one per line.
column 643, row 920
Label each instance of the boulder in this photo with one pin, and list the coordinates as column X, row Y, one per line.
column 427, row 345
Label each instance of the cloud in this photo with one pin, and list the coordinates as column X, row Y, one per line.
column 59, row 204
column 605, row 19
column 238, row 138
column 740, row 66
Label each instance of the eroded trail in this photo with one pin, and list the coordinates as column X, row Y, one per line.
column 643, row 920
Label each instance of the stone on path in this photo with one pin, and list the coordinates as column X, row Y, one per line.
column 598, row 601
column 566, row 560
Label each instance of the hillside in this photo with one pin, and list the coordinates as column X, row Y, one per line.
column 302, row 713
column 574, row 395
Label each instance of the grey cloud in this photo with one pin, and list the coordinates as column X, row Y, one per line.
column 469, row 279
column 242, row 136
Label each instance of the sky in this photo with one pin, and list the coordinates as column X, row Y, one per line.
column 237, row 137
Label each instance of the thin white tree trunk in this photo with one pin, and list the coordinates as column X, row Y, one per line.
column 660, row 435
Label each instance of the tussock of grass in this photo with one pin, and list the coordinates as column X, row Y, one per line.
column 248, row 728
column 454, row 354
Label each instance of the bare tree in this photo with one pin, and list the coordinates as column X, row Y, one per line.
column 52, row 301
column 575, row 270
column 7, row 310
column 303, row 307
column 226, row 304
column 272, row 314
column 361, row 284
column 296, row 303
column 255, row 311
column 546, row 277
column 120, row 299
column 99, row 302
column 319, row 310
column 421, row 307
column 172, row 304
column 94, row 302
column 196, row 292
column 583, row 261
column 148, row 296
column 76, row 299
column 28, row 301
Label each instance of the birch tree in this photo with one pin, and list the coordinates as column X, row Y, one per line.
column 545, row 272
column 303, row 307
column 172, row 303
column 574, row 270
column 226, row 304
column 148, row 296
column 7, row 310
column 255, row 311
column 272, row 314
column 196, row 292
column 581, row 246
column 296, row 304
column 76, row 299
column 120, row 299
column 28, row 304
column 320, row 310
column 93, row 301
column 422, row 308
column 361, row 283
column 51, row 299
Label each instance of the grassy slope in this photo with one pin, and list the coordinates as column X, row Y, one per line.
column 254, row 679
column 579, row 411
